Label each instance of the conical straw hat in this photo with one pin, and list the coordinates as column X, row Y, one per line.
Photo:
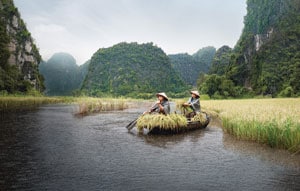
column 162, row 94
column 196, row 93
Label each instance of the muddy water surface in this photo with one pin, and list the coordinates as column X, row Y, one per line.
column 51, row 149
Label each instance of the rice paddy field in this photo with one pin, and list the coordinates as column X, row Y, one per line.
column 275, row 122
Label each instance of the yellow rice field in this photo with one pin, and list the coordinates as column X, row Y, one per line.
column 275, row 122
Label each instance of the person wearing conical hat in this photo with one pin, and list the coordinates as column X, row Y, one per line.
column 193, row 103
column 162, row 105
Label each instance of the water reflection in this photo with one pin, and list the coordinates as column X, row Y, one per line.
column 17, row 135
column 264, row 152
column 165, row 141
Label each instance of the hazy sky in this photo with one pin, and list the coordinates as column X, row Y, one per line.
column 81, row 27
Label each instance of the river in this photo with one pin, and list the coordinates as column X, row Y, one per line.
column 52, row 149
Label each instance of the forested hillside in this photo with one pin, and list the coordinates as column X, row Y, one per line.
column 266, row 59
column 190, row 66
column 62, row 75
column 131, row 69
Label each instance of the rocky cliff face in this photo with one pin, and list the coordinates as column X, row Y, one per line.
column 266, row 55
column 23, row 53
column 260, row 39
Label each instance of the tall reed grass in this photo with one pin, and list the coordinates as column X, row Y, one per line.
column 86, row 104
column 275, row 122
column 95, row 105
column 13, row 103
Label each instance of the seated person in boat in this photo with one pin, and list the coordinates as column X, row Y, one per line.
column 194, row 104
column 162, row 106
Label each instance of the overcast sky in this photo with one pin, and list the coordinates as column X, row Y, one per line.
column 81, row 27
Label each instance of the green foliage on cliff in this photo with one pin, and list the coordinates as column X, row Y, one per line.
column 4, row 40
column 205, row 56
column 273, row 67
column 221, row 60
column 187, row 67
column 190, row 66
column 62, row 75
column 266, row 59
column 83, row 70
column 131, row 69
column 12, row 76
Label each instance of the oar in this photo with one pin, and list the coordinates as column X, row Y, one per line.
column 131, row 124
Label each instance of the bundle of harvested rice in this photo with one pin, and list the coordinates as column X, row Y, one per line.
column 200, row 117
column 170, row 122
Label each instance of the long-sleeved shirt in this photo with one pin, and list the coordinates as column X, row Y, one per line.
column 195, row 104
column 165, row 105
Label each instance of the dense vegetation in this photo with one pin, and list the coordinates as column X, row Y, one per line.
column 131, row 69
column 266, row 59
column 14, row 77
column 186, row 66
column 221, row 60
column 190, row 66
column 5, row 76
column 205, row 56
column 62, row 75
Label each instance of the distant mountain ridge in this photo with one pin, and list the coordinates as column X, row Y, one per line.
column 62, row 74
column 190, row 66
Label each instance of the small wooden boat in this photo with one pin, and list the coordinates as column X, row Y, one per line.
column 191, row 125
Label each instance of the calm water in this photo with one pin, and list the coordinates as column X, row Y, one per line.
column 51, row 149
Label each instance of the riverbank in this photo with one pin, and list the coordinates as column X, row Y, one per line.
column 275, row 122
